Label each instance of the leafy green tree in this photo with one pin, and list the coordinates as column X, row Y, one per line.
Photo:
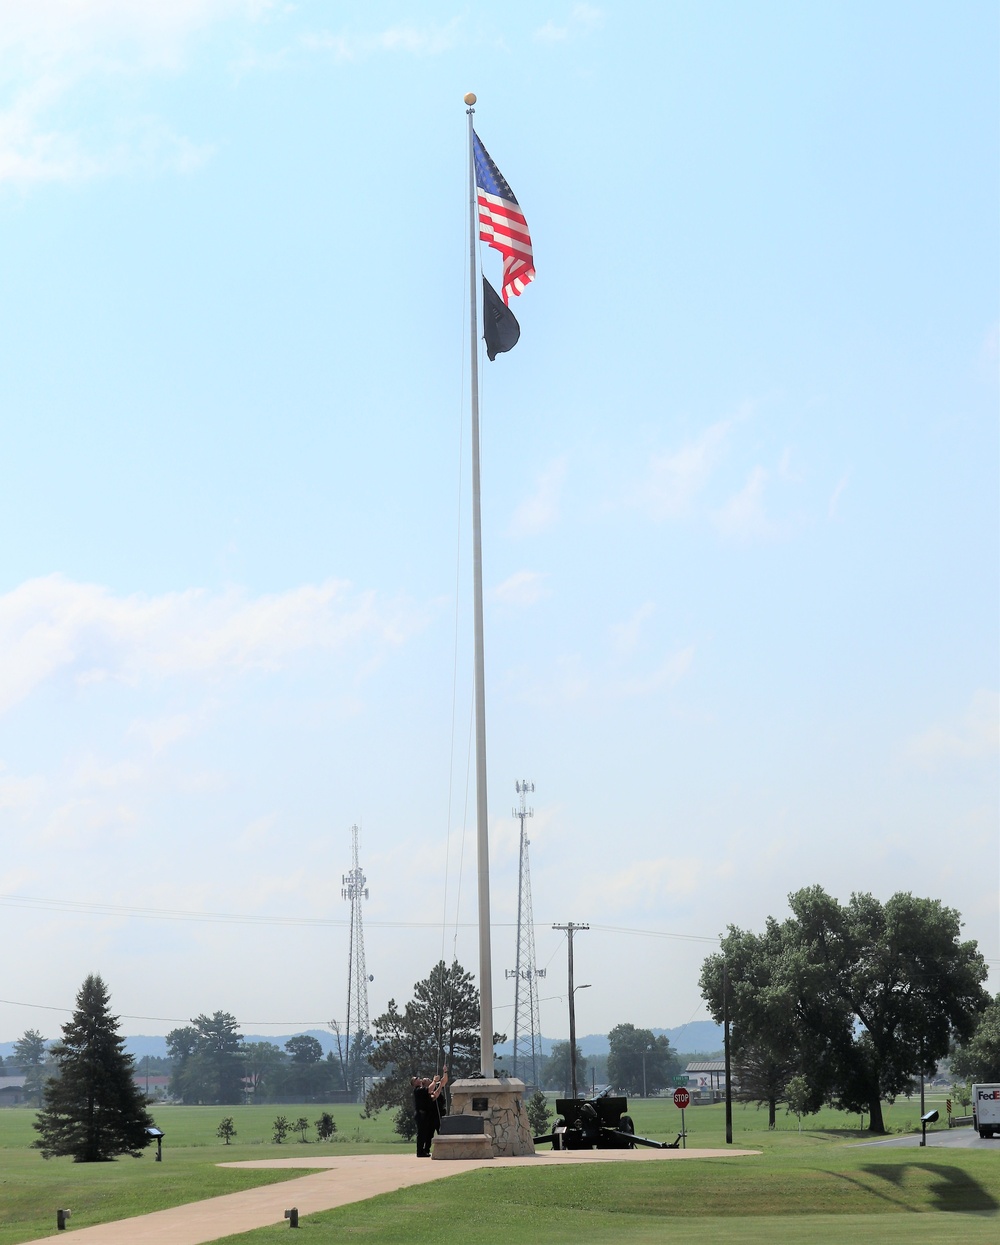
column 92, row 1108
column 306, row 1075
column 799, row 1097
column 29, row 1056
column 304, row 1049
column 539, row 1113
column 226, row 1130
column 763, row 1076
column 638, row 1062
column 302, row 1127
column 281, row 1129
column 979, row 1060
column 768, row 1045
column 325, row 1127
column 207, row 1058
column 263, row 1064
column 556, row 1072
column 866, row 996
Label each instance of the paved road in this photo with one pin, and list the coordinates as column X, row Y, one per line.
column 947, row 1138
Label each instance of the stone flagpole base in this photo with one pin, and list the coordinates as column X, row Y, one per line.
column 487, row 1120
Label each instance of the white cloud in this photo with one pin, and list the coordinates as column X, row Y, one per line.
column 583, row 18
column 742, row 517
column 541, row 509
column 667, row 674
column 521, row 588
column 53, row 625
column 972, row 737
column 53, row 53
column 625, row 636
column 833, row 508
column 160, row 733
column 19, row 794
column 676, row 479
column 647, row 883
column 407, row 39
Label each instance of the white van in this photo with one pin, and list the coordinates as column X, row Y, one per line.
column 986, row 1109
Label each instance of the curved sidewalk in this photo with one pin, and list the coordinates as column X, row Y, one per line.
column 341, row 1180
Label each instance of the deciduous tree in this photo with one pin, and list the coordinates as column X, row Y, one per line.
column 868, row 995
column 638, row 1062
column 207, row 1060
column 92, row 1109
column 262, row 1067
column 556, row 1069
column 979, row 1059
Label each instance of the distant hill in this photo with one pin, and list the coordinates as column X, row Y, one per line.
column 157, row 1046
column 699, row 1036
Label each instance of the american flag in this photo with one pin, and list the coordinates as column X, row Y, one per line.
column 502, row 223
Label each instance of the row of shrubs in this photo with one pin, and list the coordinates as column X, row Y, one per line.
column 325, row 1128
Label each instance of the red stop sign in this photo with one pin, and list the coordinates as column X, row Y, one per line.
column 682, row 1098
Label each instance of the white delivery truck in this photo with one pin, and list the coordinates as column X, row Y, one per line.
column 986, row 1109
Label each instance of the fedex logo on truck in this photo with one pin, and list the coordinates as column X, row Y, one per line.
column 989, row 1094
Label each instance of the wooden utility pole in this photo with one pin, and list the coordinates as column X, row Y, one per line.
column 570, row 930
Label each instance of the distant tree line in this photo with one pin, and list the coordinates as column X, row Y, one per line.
column 849, row 1004
column 211, row 1063
column 638, row 1062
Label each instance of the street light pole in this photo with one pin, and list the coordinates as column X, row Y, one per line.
column 646, row 1050
column 572, row 1033
column 725, row 1042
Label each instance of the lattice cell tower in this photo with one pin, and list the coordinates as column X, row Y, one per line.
column 527, row 1033
column 354, row 889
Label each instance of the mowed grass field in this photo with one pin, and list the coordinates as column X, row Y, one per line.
column 814, row 1185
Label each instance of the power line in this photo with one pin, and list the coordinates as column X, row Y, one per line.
column 86, row 908
column 174, row 1020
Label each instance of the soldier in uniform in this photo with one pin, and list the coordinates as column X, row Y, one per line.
column 427, row 1107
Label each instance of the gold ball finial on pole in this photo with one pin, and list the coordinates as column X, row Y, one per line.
column 470, row 98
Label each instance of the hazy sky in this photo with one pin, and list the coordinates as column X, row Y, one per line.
column 740, row 490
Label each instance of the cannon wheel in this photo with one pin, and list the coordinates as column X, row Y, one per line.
column 627, row 1125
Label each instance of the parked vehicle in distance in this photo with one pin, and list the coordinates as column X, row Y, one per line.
column 986, row 1109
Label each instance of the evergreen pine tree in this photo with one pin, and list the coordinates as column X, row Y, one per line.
column 92, row 1108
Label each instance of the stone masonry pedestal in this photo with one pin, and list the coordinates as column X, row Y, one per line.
column 500, row 1104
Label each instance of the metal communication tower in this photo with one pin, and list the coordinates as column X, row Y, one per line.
column 354, row 889
column 527, row 1033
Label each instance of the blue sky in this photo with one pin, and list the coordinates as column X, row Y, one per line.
column 740, row 490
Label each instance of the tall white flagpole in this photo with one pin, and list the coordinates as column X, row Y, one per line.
column 482, row 827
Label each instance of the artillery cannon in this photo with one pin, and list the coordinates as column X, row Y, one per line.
column 601, row 1123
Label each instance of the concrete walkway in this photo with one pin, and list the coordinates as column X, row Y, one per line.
column 350, row 1178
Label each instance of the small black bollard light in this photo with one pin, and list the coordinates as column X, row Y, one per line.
column 61, row 1217
column 930, row 1118
column 293, row 1217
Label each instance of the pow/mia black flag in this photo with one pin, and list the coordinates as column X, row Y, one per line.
column 500, row 329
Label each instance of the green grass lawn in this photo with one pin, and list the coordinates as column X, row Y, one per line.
column 842, row 1188
column 32, row 1188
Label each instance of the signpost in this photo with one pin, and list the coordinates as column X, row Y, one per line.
column 682, row 1099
